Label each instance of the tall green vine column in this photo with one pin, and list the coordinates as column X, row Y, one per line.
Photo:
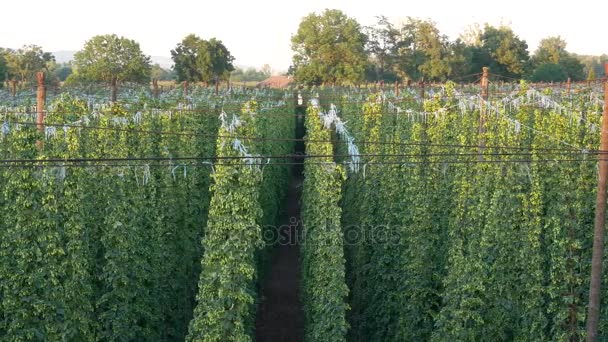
column 367, row 225
column 324, row 287
column 31, row 253
column 233, row 236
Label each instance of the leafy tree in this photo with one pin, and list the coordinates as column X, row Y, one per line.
column 573, row 67
column 472, row 35
column 3, row 68
column 422, row 51
column 200, row 60
column 549, row 72
column 382, row 47
column 460, row 56
column 329, row 48
column 23, row 63
column 266, row 70
column 592, row 62
column 552, row 50
column 503, row 51
column 109, row 58
column 60, row 71
column 161, row 73
column 591, row 75
column 249, row 74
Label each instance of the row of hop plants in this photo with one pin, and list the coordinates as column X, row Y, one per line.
column 247, row 195
column 93, row 251
column 449, row 248
column 324, row 291
column 110, row 250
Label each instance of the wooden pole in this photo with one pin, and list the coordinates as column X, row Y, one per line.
column 14, row 87
column 422, row 90
column 40, row 101
column 396, row 88
column 185, row 88
column 155, row 88
column 593, row 313
column 113, row 89
column 568, row 85
column 482, row 111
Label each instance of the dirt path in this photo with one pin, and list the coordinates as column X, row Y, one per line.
column 280, row 317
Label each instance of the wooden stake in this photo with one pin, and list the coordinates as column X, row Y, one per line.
column 482, row 112
column 113, row 89
column 40, row 101
column 593, row 314
column 422, row 90
column 155, row 88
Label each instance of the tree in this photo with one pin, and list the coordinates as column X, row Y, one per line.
column 109, row 58
column 422, row 51
column 503, row 51
column 472, row 35
column 552, row 50
column 200, row 60
column 3, row 68
column 22, row 64
column 266, row 70
column 112, row 59
column 382, row 41
column 595, row 63
column 250, row 74
column 160, row 73
column 329, row 48
column 573, row 67
column 549, row 72
column 59, row 72
column 460, row 56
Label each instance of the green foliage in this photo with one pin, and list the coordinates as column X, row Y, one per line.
column 101, row 252
column 549, row 73
column 62, row 72
column 22, row 64
column 329, row 48
column 201, row 60
column 324, row 289
column 159, row 73
column 107, row 57
column 250, row 74
column 232, row 238
column 245, row 207
column 501, row 50
column 422, row 51
column 465, row 250
column 3, row 68
column 595, row 63
column 382, row 44
column 552, row 51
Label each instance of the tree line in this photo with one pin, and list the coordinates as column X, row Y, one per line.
column 113, row 59
column 329, row 48
column 332, row 48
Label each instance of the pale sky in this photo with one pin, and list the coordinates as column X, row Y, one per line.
column 259, row 32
